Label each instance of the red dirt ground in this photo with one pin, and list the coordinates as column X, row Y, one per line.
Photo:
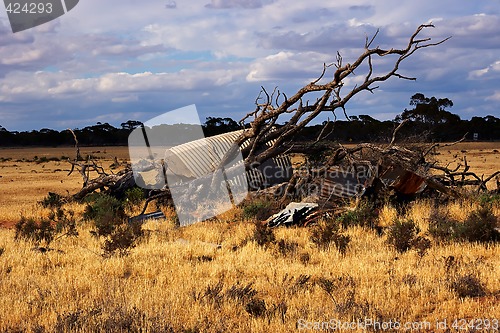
column 7, row 224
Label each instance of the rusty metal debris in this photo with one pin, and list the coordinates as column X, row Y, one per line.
column 401, row 180
column 354, row 181
column 158, row 215
column 379, row 173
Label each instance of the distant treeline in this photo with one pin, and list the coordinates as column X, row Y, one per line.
column 358, row 129
column 427, row 121
column 108, row 135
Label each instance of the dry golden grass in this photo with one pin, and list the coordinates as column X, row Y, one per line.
column 169, row 282
column 165, row 281
column 23, row 181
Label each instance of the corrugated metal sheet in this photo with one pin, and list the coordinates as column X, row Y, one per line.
column 201, row 157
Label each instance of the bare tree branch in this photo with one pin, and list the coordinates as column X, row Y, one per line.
column 268, row 112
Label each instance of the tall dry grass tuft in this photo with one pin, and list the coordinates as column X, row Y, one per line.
column 419, row 212
column 387, row 216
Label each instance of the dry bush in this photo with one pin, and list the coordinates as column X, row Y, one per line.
column 60, row 222
column 479, row 225
column 259, row 209
column 442, row 226
column 108, row 217
column 263, row 235
column 326, row 233
column 467, row 285
column 364, row 214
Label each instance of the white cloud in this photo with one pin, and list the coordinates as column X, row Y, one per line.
column 495, row 97
column 62, row 85
column 285, row 65
column 492, row 71
column 248, row 4
column 26, row 56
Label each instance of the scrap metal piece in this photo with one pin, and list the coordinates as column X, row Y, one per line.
column 293, row 213
column 402, row 180
column 340, row 182
column 346, row 183
column 150, row 216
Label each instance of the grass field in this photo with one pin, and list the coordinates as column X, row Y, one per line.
column 28, row 174
column 215, row 277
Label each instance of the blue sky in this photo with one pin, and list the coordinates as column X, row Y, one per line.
column 115, row 60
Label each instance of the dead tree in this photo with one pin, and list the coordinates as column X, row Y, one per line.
column 264, row 140
column 272, row 107
column 115, row 183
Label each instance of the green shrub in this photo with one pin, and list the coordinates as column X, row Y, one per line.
column 363, row 215
column 106, row 212
column 488, row 199
column 479, row 226
column 259, row 209
column 35, row 231
column 110, row 221
column 59, row 223
column 134, row 196
column 52, row 200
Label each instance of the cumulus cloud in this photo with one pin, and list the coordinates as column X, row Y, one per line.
column 478, row 31
column 171, row 5
column 325, row 38
column 62, row 85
